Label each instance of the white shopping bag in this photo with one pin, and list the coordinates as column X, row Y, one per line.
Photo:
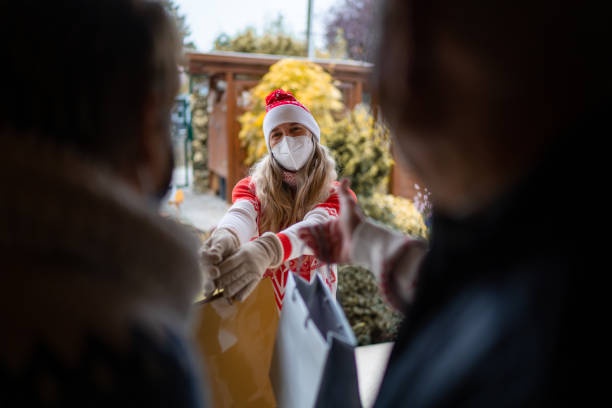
column 313, row 362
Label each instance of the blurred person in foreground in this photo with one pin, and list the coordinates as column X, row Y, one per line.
column 499, row 108
column 95, row 287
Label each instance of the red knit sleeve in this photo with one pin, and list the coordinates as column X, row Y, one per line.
column 286, row 243
column 245, row 190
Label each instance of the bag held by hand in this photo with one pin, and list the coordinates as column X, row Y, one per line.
column 236, row 341
column 313, row 362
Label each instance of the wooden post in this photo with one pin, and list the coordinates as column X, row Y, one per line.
column 233, row 144
column 358, row 94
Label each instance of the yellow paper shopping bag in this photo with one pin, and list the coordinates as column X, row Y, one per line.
column 236, row 342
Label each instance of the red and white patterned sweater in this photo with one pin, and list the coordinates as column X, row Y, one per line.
column 243, row 216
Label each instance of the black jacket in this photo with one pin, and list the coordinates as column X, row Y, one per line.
column 503, row 315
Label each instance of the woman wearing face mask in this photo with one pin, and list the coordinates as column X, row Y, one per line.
column 294, row 186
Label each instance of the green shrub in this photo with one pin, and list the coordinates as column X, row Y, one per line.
column 360, row 146
column 371, row 318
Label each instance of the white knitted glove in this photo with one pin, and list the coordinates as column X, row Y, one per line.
column 221, row 244
column 241, row 272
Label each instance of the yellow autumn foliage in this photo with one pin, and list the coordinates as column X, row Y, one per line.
column 308, row 82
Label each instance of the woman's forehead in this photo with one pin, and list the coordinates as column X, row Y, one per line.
column 289, row 124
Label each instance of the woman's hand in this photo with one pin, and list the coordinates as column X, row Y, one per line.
column 241, row 272
column 220, row 245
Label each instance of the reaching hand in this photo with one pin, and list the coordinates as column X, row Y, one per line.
column 221, row 244
column 242, row 271
column 332, row 241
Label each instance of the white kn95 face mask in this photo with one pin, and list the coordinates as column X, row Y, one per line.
column 292, row 152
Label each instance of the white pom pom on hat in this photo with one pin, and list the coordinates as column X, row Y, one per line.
column 282, row 107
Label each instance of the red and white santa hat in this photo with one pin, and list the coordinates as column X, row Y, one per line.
column 282, row 107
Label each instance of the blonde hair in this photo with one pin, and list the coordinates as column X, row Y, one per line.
column 282, row 205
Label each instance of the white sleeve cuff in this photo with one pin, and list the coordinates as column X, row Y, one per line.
column 299, row 247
